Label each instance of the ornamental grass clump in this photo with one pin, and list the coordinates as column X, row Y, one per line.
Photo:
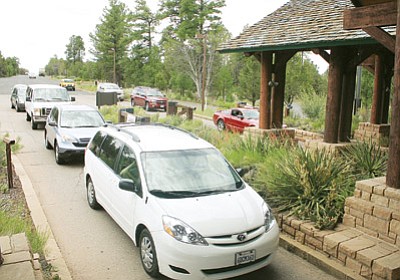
column 310, row 184
column 367, row 159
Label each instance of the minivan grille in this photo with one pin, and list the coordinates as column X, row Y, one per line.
column 234, row 240
column 232, row 268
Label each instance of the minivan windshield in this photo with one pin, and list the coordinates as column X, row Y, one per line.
column 189, row 173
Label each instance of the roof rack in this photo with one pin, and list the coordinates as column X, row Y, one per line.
column 121, row 126
column 177, row 128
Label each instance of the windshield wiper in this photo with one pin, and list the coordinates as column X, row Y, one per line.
column 214, row 192
column 173, row 194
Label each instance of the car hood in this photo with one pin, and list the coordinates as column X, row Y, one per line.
column 252, row 122
column 80, row 133
column 110, row 90
column 155, row 98
column 233, row 212
column 49, row 104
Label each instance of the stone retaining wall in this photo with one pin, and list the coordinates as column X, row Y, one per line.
column 375, row 210
column 368, row 241
column 377, row 133
column 258, row 132
column 304, row 135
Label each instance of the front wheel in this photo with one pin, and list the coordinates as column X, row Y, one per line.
column 221, row 125
column 91, row 195
column 132, row 102
column 46, row 142
column 57, row 156
column 33, row 124
column 28, row 117
column 147, row 106
column 148, row 255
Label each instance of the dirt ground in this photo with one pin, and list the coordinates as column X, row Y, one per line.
column 12, row 201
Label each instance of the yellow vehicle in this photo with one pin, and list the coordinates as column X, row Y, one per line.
column 69, row 84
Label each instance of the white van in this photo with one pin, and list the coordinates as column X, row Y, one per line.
column 180, row 201
column 40, row 98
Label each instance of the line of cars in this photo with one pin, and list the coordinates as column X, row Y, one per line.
column 175, row 195
column 67, row 127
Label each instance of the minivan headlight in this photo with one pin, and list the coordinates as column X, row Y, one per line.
column 269, row 219
column 182, row 232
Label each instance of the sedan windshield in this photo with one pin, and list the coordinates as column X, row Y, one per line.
column 111, row 86
column 154, row 92
column 76, row 119
column 251, row 114
column 189, row 173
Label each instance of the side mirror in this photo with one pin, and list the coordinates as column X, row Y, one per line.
column 240, row 171
column 127, row 185
column 72, row 98
column 52, row 123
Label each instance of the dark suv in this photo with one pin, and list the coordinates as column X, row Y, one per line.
column 148, row 98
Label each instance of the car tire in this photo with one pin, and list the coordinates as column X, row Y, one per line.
column 147, row 106
column 17, row 108
column 28, row 117
column 132, row 102
column 59, row 159
column 91, row 195
column 12, row 106
column 46, row 142
column 148, row 255
column 34, row 125
column 220, row 125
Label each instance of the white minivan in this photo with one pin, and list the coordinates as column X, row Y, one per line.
column 180, row 201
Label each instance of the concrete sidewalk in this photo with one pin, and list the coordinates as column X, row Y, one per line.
column 19, row 263
column 52, row 252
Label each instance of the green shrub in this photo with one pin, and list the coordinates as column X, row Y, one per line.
column 309, row 184
column 367, row 159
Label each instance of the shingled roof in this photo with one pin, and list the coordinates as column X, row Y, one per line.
column 300, row 25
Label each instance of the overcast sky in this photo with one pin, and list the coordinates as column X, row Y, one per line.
column 35, row 31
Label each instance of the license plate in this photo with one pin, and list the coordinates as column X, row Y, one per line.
column 245, row 257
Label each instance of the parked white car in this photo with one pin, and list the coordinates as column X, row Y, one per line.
column 110, row 88
column 40, row 98
column 180, row 201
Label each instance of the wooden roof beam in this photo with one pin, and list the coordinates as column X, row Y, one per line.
column 384, row 14
column 324, row 54
column 382, row 37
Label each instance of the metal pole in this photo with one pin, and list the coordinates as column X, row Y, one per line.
column 203, row 84
column 115, row 75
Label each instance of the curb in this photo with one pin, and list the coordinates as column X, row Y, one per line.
column 318, row 259
column 52, row 251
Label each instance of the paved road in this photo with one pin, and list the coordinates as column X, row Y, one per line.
column 93, row 245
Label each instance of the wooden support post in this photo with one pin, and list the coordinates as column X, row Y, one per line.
column 278, row 103
column 387, row 83
column 377, row 96
column 346, row 112
column 393, row 168
column 8, row 143
column 334, row 96
column 265, row 91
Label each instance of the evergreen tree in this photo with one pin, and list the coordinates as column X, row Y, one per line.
column 75, row 49
column 111, row 40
